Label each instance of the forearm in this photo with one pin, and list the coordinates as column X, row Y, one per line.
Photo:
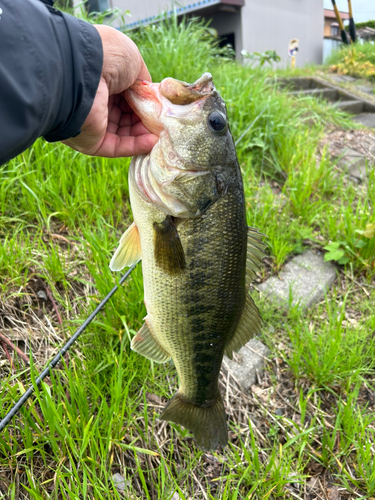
column 49, row 72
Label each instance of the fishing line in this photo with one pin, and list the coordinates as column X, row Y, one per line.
column 15, row 409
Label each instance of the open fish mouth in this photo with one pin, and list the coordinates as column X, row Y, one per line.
column 150, row 100
column 181, row 93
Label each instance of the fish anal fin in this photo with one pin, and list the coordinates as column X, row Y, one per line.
column 249, row 325
column 206, row 422
column 168, row 251
column 146, row 344
column 129, row 250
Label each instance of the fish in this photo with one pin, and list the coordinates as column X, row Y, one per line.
column 198, row 254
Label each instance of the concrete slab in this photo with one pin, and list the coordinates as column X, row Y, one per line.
column 343, row 78
column 247, row 362
column 353, row 107
column 366, row 89
column 354, row 164
column 303, row 281
column 329, row 94
column 367, row 119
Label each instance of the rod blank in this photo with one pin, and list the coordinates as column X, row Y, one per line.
column 15, row 409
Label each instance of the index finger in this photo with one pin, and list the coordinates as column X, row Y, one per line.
column 144, row 73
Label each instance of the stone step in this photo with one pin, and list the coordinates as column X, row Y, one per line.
column 314, row 86
column 329, row 94
column 302, row 83
column 354, row 107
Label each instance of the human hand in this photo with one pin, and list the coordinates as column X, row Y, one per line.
column 111, row 128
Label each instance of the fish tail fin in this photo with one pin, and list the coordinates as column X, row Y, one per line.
column 207, row 423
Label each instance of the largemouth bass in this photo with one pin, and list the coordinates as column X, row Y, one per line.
column 198, row 255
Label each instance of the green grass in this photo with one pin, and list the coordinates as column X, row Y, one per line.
column 357, row 60
column 365, row 49
column 61, row 215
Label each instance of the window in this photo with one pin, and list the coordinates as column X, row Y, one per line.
column 335, row 30
column 97, row 5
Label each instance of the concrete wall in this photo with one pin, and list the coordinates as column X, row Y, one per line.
column 270, row 24
column 330, row 45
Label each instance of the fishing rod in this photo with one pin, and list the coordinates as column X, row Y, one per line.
column 352, row 32
column 15, row 409
column 344, row 37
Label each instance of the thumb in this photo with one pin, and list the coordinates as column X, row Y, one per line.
column 122, row 61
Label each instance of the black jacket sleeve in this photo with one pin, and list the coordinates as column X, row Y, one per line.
column 50, row 66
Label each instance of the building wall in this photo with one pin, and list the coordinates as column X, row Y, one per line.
column 327, row 26
column 258, row 26
column 330, row 18
column 141, row 9
column 271, row 24
column 229, row 22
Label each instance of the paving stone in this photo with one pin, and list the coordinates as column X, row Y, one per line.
column 120, row 483
column 367, row 119
column 246, row 363
column 355, row 164
column 366, row 89
column 304, row 280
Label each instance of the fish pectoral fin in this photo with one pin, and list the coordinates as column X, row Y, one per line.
column 146, row 344
column 249, row 325
column 168, row 251
column 128, row 251
column 255, row 253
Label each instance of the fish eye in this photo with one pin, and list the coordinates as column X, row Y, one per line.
column 217, row 122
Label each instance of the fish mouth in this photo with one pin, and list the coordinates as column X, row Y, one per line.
column 182, row 93
column 150, row 100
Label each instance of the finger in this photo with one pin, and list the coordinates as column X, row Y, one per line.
column 124, row 105
column 135, row 130
column 128, row 119
column 144, row 74
column 114, row 146
column 115, row 114
column 112, row 128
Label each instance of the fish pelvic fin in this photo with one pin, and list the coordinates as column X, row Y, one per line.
column 255, row 253
column 146, row 344
column 128, row 251
column 206, row 422
column 168, row 251
column 249, row 325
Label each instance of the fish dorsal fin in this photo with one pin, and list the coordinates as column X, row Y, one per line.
column 249, row 325
column 146, row 344
column 250, row 321
column 128, row 251
column 255, row 253
column 168, row 251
